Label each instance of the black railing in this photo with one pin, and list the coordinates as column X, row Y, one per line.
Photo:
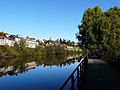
column 74, row 81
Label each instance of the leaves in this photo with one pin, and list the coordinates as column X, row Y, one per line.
column 102, row 30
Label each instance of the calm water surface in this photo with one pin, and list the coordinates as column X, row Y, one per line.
column 37, row 76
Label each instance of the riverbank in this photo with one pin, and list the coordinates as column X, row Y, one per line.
column 18, row 51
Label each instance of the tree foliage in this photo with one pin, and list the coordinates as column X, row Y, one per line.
column 2, row 34
column 101, row 30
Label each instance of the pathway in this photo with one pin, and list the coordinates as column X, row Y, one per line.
column 101, row 76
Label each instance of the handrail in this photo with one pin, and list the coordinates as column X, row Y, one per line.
column 80, row 69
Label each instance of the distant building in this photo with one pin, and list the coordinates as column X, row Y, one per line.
column 6, row 41
column 11, row 39
column 15, row 38
column 31, row 42
column 70, row 48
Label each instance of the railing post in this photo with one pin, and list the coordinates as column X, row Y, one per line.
column 83, row 65
column 72, row 82
column 80, row 69
column 78, row 79
column 78, row 73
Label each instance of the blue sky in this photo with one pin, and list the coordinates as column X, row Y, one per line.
column 43, row 19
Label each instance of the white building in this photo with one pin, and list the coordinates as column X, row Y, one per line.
column 31, row 42
column 70, row 47
column 15, row 38
column 6, row 41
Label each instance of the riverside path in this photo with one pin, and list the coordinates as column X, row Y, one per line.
column 101, row 76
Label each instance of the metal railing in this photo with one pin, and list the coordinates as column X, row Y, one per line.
column 74, row 81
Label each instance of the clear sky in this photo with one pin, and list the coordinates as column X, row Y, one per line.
column 43, row 19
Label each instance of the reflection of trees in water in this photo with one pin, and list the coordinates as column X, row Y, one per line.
column 53, row 60
column 23, row 64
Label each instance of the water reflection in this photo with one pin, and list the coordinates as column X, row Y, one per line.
column 21, row 65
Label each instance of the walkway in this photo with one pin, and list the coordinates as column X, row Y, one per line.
column 101, row 76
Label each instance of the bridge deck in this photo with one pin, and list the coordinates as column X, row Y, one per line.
column 101, row 76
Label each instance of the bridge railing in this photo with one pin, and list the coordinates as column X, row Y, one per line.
column 74, row 81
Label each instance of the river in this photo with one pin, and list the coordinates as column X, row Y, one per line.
column 45, row 74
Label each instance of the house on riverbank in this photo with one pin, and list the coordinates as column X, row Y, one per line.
column 31, row 42
column 6, row 41
column 9, row 40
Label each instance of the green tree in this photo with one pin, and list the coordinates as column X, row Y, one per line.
column 2, row 34
column 113, row 14
column 101, row 30
column 21, row 48
column 88, row 29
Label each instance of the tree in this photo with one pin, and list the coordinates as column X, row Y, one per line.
column 113, row 14
column 101, row 30
column 2, row 34
column 88, row 31
column 21, row 47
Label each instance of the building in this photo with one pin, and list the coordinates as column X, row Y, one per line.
column 6, row 41
column 11, row 39
column 15, row 38
column 31, row 42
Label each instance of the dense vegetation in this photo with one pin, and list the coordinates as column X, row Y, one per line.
column 100, row 31
column 20, row 50
column 67, row 42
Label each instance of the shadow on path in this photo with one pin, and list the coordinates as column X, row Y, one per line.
column 101, row 76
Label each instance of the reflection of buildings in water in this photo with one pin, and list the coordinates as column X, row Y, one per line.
column 73, row 57
column 59, row 62
column 5, row 70
column 43, row 65
column 30, row 65
column 10, row 70
column 69, row 57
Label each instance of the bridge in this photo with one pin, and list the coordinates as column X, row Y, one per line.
column 93, row 74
